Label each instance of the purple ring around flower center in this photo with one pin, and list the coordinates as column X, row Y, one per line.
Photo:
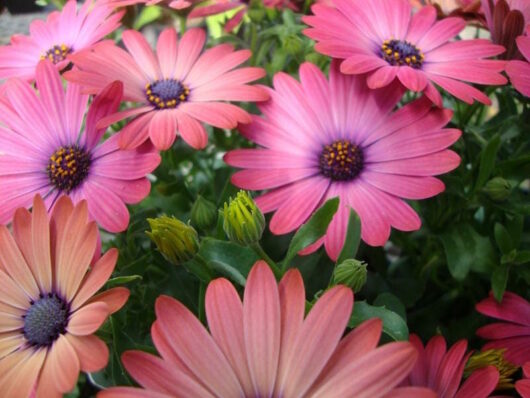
column 167, row 93
column 45, row 320
column 68, row 167
column 342, row 160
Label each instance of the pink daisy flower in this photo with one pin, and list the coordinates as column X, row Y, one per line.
column 264, row 347
column 176, row 89
column 175, row 4
column 442, row 370
column 325, row 139
column 44, row 150
column 513, row 335
column 381, row 40
column 519, row 71
column 63, row 33
column 523, row 386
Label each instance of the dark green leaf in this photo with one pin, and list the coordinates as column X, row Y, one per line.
column 121, row 280
column 499, row 280
column 503, row 239
column 487, row 161
column 232, row 255
column 393, row 303
column 353, row 238
column 393, row 325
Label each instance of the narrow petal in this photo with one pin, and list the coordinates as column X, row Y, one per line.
column 192, row 131
column 163, row 129
column 513, row 308
column 88, row 319
column 166, row 50
column 480, row 384
column 142, row 54
column 114, row 298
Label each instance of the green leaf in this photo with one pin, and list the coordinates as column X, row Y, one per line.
column 230, row 272
column 122, row 280
column 353, row 238
column 466, row 250
column 313, row 229
column 487, row 161
column 499, row 280
column 503, row 239
column 392, row 302
column 147, row 15
column 393, row 325
column 232, row 255
column 522, row 257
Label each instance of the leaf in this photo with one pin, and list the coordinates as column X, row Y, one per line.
column 147, row 15
column 230, row 272
column 122, row 280
column 232, row 255
column 487, row 161
column 466, row 250
column 313, row 229
column 353, row 238
column 499, row 280
column 393, row 325
column 503, row 239
column 392, row 302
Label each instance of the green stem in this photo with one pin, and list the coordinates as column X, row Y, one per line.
column 202, row 294
column 183, row 21
column 260, row 252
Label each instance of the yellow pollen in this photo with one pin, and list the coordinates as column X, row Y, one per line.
column 493, row 357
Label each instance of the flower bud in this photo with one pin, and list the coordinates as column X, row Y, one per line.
column 243, row 221
column 351, row 273
column 177, row 241
column 203, row 213
column 497, row 189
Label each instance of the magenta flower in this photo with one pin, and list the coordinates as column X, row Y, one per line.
column 519, row 71
column 44, row 150
column 512, row 335
column 63, row 33
column 176, row 90
column 381, row 40
column 442, row 370
column 324, row 139
column 265, row 346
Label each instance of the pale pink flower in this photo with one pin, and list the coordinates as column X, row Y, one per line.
column 176, row 90
column 62, row 33
column 265, row 346
column 382, row 41
column 323, row 139
column 44, row 149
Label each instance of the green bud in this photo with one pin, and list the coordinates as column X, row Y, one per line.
column 497, row 189
column 351, row 273
column 293, row 44
column 177, row 241
column 243, row 221
column 203, row 213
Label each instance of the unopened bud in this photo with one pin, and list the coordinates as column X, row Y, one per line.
column 351, row 273
column 177, row 241
column 203, row 213
column 498, row 189
column 243, row 220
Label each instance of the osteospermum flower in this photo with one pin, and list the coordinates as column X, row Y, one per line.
column 176, row 90
column 442, row 370
column 519, row 71
column 264, row 347
column 513, row 335
column 44, row 149
column 381, row 40
column 48, row 310
column 324, row 139
column 63, row 33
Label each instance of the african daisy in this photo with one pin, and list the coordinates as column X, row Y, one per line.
column 264, row 347
column 45, row 150
column 63, row 33
column 519, row 71
column 382, row 41
column 324, row 139
column 48, row 311
column 176, row 89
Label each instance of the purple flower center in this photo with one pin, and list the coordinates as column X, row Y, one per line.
column 45, row 320
column 400, row 52
column 341, row 161
column 68, row 167
column 167, row 93
column 57, row 54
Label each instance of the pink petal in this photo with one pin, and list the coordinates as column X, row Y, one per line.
column 382, row 77
column 142, row 53
column 480, row 384
column 513, row 308
column 405, row 186
column 114, row 298
column 190, row 45
column 519, row 74
column 131, row 392
column 464, row 49
column 414, row 80
column 336, row 233
column 136, row 132
column 433, row 164
column 411, row 392
column 218, row 114
column 434, row 354
column 63, row 377
column 166, row 50
column 460, row 90
column 88, row 319
column 92, row 352
column 192, row 131
column 440, row 33
column 268, row 179
column 420, row 24
column 361, row 63
column 163, row 129
column 495, row 331
column 451, row 369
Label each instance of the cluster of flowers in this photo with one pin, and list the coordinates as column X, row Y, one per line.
column 319, row 138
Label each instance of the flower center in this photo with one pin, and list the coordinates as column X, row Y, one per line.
column 57, row 54
column 46, row 319
column 494, row 357
column 68, row 167
column 167, row 93
column 341, row 161
column 400, row 52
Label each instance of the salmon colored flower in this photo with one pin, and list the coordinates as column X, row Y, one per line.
column 44, row 149
column 442, row 370
column 523, row 386
column 321, row 139
column 264, row 347
column 176, row 89
column 48, row 310
column 519, row 71
column 512, row 335
column 63, row 33
column 382, row 41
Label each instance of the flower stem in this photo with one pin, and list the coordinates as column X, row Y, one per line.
column 260, row 252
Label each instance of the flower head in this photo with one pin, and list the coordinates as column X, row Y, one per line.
column 264, row 347
column 243, row 220
column 512, row 335
column 493, row 357
column 381, row 39
column 43, row 149
column 519, row 71
column 176, row 89
column 48, row 310
column 442, row 370
column 325, row 139
column 62, row 34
